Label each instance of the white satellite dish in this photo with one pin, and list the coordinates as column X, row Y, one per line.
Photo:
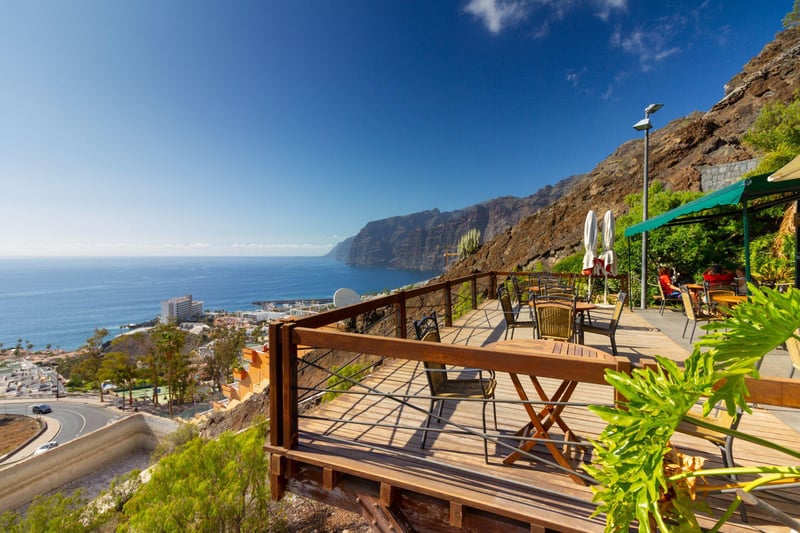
column 344, row 297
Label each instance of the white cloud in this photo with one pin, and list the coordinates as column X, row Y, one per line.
column 498, row 14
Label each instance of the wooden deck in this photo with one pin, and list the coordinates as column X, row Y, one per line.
column 362, row 451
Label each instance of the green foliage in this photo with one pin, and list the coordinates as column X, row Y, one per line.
column 570, row 264
column 225, row 353
column 172, row 442
column 469, row 243
column 208, row 485
column 344, row 381
column 630, row 452
column 793, row 17
column 776, row 131
column 55, row 513
column 463, row 300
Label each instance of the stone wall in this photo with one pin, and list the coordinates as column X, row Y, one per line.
column 719, row 176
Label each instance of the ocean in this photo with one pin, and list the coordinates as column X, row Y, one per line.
column 60, row 302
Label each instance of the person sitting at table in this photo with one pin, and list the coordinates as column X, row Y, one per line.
column 741, row 282
column 715, row 274
column 665, row 279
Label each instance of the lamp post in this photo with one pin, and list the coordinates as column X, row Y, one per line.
column 645, row 125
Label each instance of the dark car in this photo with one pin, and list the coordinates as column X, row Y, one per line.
column 41, row 409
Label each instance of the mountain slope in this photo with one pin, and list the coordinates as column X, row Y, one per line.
column 677, row 153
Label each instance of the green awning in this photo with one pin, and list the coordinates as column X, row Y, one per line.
column 734, row 194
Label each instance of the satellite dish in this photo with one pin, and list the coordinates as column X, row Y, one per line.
column 344, row 297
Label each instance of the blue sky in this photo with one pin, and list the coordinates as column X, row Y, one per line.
column 192, row 127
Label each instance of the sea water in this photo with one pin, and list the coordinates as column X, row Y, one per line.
column 60, row 302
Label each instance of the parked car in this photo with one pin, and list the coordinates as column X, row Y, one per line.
column 41, row 409
column 45, row 447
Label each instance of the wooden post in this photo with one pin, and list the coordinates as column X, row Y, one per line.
column 289, row 408
column 275, row 384
column 448, row 305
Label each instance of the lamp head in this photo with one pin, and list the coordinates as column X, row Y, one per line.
column 652, row 108
column 643, row 125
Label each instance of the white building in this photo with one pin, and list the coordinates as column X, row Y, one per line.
column 180, row 309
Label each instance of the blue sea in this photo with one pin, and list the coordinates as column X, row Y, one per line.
column 61, row 301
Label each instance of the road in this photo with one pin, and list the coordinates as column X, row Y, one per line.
column 75, row 418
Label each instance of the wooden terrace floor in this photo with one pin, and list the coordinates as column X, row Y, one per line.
column 377, row 437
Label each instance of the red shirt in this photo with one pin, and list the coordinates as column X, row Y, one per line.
column 722, row 277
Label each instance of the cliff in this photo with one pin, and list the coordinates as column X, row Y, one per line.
column 420, row 241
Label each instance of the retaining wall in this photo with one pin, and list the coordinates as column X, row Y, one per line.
column 80, row 457
column 719, row 176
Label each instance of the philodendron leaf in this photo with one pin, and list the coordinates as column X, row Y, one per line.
column 630, row 451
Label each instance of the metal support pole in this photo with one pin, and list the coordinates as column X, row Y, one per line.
column 644, row 219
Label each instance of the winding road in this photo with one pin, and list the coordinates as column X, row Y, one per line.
column 74, row 417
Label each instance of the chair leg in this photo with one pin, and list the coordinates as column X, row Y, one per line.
column 694, row 327
column 485, row 440
column 683, row 335
column 613, row 345
column 427, row 424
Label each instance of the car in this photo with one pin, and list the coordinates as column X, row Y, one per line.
column 41, row 409
column 47, row 446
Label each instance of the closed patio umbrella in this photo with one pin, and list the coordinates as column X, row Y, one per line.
column 590, row 265
column 608, row 256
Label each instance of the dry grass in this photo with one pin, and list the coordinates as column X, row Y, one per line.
column 15, row 430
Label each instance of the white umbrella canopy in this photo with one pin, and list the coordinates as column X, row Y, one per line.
column 608, row 256
column 590, row 265
column 790, row 171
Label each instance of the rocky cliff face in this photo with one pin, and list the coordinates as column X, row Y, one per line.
column 677, row 153
column 420, row 241
column 548, row 225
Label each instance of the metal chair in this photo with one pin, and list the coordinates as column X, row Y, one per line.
column 610, row 329
column 522, row 293
column 664, row 298
column 443, row 388
column 510, row 316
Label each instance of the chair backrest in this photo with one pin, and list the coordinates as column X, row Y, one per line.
column 517, row 288
column 563, row 292
column 793, row 347
column 505, row 304
column 618, row 308
column 688, row 307
column 555, row 319
column 661, row 291
column 719, row 292
column 427, row 329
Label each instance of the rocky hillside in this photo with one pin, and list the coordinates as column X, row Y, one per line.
column 420, row 241
column 677, row 153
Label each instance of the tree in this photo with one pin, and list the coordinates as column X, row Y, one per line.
column 92, row 353
column 792, row 18
column 121, row 369
column 776, row 133
column 208, row 485
column 226, row 349
column 167, row 359
column 57, row 512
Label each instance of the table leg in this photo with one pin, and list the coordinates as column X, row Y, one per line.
column 543, row 421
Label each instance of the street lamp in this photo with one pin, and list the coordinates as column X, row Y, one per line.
column 644, row 125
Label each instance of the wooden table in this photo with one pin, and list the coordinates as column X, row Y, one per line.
column 550, row 414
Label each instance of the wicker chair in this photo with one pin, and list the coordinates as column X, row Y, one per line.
column 443, row 388
column 510, row 315
column 555, row 318
column 691, row 315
